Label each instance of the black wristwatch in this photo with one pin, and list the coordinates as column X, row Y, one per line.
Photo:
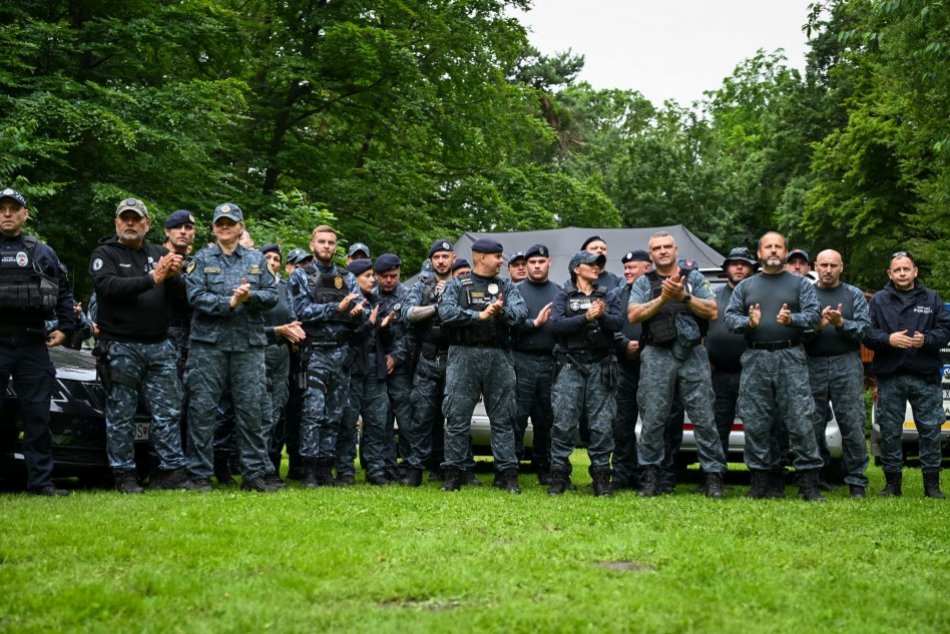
column 687, row 299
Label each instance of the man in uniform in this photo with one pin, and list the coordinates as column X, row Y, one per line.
column 282, row 331
column 726, row 347
column 672, row 305
column 229, row 288
column 909, row 326
column 357, row 251
column 534, row 360
column 399, row 352
column 584, row 318
column 835, row 370
column 627, row 349
column 517, row 267
column 773, row 309
column 32, row 289
column 179, row 238
column 478, row 310
column 461, row 266
column 329, row 304
column 425, row 434
column 136, row 283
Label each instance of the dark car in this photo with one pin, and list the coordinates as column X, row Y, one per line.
column 77, row 422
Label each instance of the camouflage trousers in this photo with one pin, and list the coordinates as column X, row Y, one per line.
column 535, row 377
column 579, row 390
column 399, row 388
column 774, row 387
column 893, row 393
column 211, row 371
column 470, row 373
column 839, row 379
column 151, row 368
column 662, row 377
column 367, row 398
column 726, row 388
column 328, row 383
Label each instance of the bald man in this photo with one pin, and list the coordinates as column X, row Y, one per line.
column 835, row 371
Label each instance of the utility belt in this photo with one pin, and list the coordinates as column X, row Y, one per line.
column 609, row 370
column 25, row 332
column 479, row 338
column 772, row 346
column 341, row 338
column 431, row 350
column 535, row 353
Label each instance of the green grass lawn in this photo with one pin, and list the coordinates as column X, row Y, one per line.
column 394, row 559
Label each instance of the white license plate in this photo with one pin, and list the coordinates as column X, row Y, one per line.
column 141, row 431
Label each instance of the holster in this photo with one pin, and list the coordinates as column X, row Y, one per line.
column 103, row 372
column 303, row 360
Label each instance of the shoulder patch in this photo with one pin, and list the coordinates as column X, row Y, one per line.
column 97, row 264
column 254, row 270
column 191, row 267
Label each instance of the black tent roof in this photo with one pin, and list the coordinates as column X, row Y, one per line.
column 563, row 243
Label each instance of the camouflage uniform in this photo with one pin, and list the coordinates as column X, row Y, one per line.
column 667, row 369
column 277, row 363
column 586, row 378
column 227, row 352
column 836, row 374
column 396, row 340
column 317, row 290
column 479, row 362
column 774, row 384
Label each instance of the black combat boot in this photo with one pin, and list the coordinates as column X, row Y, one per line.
column 126, row 482
column 257, row 483
column 273, row 481
column 324, row 472
column 544, row 476
column 649, row 486
column 173, row 479
column 345, row 480
column 713, row 488
column 666, row 480
column 775, row 484
column 808, row 486
column 467, row 477
column 450, row 479
column 560, row 480
column 308, row 473
column 857, row 491
column 378, row 479
column 932, row 484
column 222, row 470
column 511, row 481
column 760, row 484
column 600, row 481
column 413, row 478
column 893, row 482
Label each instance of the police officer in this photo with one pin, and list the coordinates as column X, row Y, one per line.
column 773, row 309
column 909, row 326
column 598, row 246
column 425, row 433
column 672, row 304
column 627, row 350
column 229, row 288
column 478, row 310
column 135, row 284
column 179, row 238
column 517, row 267
column 534, row 360
column 282, row 331
column 366, row 366
column 461, row 267
column 398, row 348
column 32, row 288
column 584, row 318
column 329, row 304
column 357, row 251
column 725, row 347
column 798, row 263
column 835, row 370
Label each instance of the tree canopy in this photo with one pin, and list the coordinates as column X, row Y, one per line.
column 401, row 121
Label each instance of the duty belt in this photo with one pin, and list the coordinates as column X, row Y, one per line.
column 431, row 350
column 535, row 353
column 773, row 345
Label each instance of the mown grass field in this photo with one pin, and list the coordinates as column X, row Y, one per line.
column 368, row 559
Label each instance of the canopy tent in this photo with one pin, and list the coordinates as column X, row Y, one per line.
column 563, row 243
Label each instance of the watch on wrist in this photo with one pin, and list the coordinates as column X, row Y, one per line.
column 687, row 299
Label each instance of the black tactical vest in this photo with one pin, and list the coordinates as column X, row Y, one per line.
column 432, row 332
column 478, row 294
column 24, row 288
column 328, row 288
column 592, row 339
column 830, row 342
column 660, row 330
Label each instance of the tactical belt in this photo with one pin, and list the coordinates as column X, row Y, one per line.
column 431, row 350
column 482, row 344
column 535, row 353
column 581, row 357
column 773, row 345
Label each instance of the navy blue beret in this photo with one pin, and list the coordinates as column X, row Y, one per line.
column 387, row 262
column 358, row 267
column 487, row 245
